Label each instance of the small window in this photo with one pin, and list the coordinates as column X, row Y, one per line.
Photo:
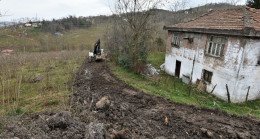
column 207, row 76
column 176, row 40
column 216, row 46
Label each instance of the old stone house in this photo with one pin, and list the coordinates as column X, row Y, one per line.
column 224, row 46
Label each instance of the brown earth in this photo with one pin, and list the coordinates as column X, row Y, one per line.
column 106, row 107
column 148, row 116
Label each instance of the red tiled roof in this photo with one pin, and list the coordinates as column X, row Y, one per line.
column 254, row 18
column 230, row 19
column 7, row 51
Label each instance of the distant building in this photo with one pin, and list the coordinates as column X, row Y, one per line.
column 7, row 52
column 28, row 24
column 224, row 46
column 88, row 20
column 35, row 25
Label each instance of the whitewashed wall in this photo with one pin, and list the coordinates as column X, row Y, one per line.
column 250, row 73
column 231, row 69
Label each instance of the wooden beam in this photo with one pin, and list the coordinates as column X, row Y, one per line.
column 247, row 95
column 228, row 95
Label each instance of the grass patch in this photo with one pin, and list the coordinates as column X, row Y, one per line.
column 51, row 92
column 51, row 103
column 42, row 56
column 15, row 111
column 177, row 91
column 156, row 59
column 34, row 40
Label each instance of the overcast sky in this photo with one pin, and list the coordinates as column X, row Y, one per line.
column 49, row 9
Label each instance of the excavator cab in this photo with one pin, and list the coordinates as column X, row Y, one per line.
column 97, row 54
column 97, row 50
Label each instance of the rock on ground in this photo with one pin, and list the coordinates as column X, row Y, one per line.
column 150, row 70
column 95, row 131
column 103, row 102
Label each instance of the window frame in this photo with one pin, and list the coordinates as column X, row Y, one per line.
column 176, row 40
column 215, row 46
column 207, row 76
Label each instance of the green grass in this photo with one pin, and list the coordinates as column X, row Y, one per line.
column 180, row 94
column 85, row 37
column 51, row 92
column 156, row 59
column 15, row 111
column 34, row 40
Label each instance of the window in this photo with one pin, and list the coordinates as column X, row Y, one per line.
column 207, row 76
column 215, row 46
column 176, row 40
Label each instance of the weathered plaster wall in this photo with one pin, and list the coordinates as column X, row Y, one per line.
column 249, row 74
column 226, row 70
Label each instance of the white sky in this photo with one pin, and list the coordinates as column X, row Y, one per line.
column 49, row 9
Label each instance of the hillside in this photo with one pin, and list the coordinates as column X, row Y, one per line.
column 171, row 17
column 36, row 40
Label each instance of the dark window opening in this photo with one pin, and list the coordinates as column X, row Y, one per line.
column 258, row 62
column 207, row 76
column 176, row 40
column 216, row 46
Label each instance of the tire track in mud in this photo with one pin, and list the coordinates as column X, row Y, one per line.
column 144, row 115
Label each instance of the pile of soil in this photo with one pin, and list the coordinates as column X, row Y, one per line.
column 50, row 125
column 101, row 96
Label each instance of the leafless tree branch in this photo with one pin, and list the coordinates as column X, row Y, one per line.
column 232, row 2
column 176, row 5
column 132, row 28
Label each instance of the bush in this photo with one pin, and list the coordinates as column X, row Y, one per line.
column 125, row 61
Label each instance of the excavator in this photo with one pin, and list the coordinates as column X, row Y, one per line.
column 97, row 54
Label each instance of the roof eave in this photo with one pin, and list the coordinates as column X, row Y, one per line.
column 245, row 33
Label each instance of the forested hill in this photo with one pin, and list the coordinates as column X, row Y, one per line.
column 170, row 17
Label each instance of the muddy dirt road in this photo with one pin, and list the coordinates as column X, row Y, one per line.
column 100, row 95
column 102, row 106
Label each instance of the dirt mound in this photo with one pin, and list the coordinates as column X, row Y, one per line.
column 144, row 115
column 50, row 125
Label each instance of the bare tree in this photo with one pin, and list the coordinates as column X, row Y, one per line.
column 132, row 30
column 232, row 2
column 3, row 13
column 177, row 5
column 0, row 12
